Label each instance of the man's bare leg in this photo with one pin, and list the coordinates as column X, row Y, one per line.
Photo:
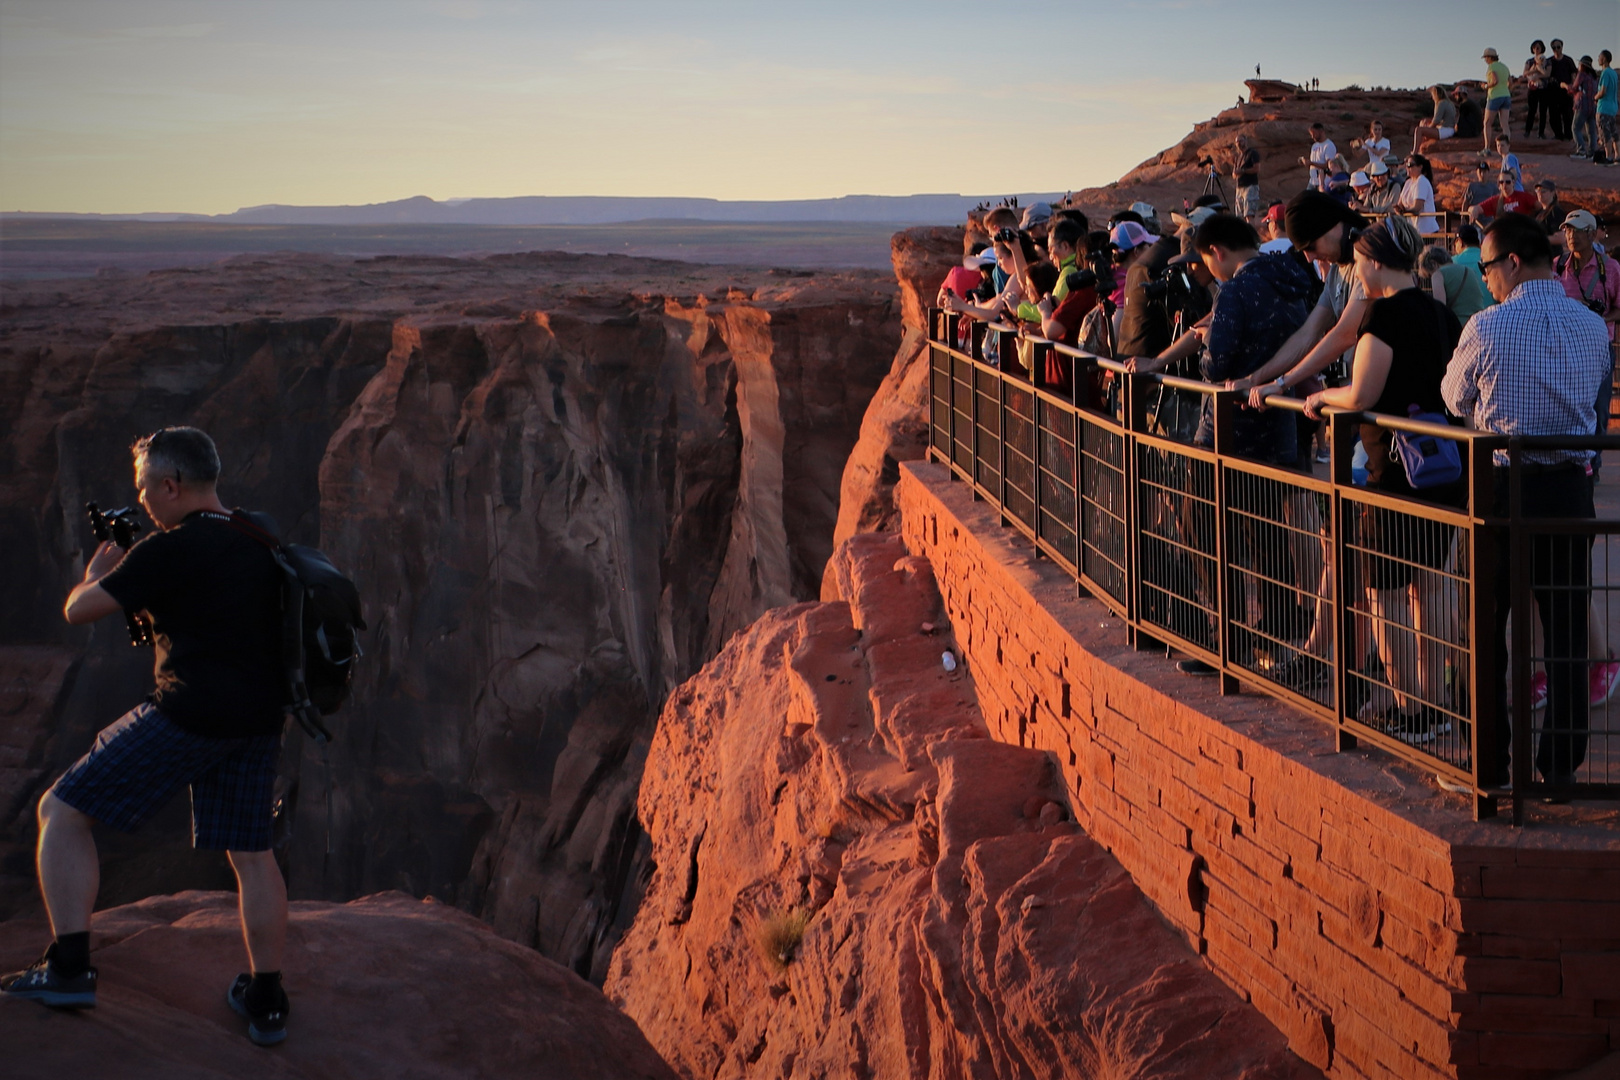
column 69, row 870
column 263, row 899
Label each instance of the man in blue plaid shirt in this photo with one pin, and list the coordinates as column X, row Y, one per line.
column 1534, row 365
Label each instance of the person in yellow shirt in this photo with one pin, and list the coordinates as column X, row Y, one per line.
column 1498, row 94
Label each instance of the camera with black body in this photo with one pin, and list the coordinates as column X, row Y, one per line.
column 1206, row 162
column 1597, row 307
column 120, row 526
column 1007, row 234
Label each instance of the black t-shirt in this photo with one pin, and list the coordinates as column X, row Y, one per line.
column 1422, row 333
column 214, row 597
column 1249, row 168
column 1563, row 69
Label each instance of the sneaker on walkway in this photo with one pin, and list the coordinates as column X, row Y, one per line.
column 45, row 984
column 267, row 1027
column 1194, row 667
column 1304, row 674
column 1413, row 728
column 1605, row 680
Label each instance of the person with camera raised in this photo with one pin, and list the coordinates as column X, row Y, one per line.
column 212, row 594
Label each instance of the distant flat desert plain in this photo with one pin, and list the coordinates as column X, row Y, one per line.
column 35, row 248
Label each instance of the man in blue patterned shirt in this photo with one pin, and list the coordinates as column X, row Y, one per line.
column 1533, row 365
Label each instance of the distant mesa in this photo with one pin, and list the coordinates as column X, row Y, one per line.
column 589, row 210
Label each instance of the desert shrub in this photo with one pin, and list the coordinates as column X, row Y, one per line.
column 778, row 936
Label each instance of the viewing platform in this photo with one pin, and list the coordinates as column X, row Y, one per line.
column 1347, row 875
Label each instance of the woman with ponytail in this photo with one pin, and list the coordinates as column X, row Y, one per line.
column 1404, row 345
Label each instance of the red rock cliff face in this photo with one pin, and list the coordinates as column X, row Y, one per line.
column 853, row 880
column 560, row 482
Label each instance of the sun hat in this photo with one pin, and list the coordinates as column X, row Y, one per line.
column 1360, row 179
column 1377, row 168
column 1488, row 54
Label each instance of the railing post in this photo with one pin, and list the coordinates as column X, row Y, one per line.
column 1001, row 444
column 1341, row 438
column 1225, row 416
column 1520, row 714
column 1484, row 553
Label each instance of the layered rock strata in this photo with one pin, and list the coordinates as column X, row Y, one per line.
column 853, row 880
column 560, row 482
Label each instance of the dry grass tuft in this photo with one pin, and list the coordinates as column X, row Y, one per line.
column 778, row 936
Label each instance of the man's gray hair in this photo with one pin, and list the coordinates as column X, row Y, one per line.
column 186, row 452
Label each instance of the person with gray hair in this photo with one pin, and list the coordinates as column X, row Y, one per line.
column 212, row 594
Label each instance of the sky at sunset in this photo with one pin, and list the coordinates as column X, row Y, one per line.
column 176, row 105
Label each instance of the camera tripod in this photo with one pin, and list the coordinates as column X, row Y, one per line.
column 1213, row 186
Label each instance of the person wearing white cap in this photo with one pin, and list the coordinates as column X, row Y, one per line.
column 1498, row 94
column 1587, row 274
column 1381, row 195
column 1360, row 185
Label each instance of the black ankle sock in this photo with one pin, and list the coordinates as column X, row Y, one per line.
column 264, row 992
column 70, row 955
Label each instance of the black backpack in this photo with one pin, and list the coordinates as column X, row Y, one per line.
column 321, row 617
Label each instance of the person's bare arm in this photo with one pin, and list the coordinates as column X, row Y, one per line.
column 89, row 601
column 1334, row 344
column 1369, row 373
column 1437, row 285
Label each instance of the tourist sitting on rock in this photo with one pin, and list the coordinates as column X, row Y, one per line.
column 1321, row 157
column 1481, row 187
column 1382, row 196
column 1442, row 124
column 1375, row 144
column 1417, row 195
column 1456, row 286
column 1505, row 201
column 1401, row 354
column 213, row 594
column 1470, row 117
column 1360, row 185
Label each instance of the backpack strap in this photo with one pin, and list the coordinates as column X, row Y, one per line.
column 292, row 626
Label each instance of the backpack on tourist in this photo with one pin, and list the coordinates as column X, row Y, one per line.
column 321, row 617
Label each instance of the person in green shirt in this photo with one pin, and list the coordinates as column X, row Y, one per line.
column 1457, row 287
column 1498, row 94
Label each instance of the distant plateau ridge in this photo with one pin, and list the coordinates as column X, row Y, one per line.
column 585, row 210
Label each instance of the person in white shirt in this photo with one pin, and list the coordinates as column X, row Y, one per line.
column 1321, row 159
column 1417, row 195
column 1375, row 144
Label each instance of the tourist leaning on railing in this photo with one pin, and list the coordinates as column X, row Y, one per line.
column 1321, row 229
column 1405, row 341
column 1533, row 365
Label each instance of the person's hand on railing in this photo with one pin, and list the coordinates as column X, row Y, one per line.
column 1258, row 394
column 1143, row 365
column 1313, row 405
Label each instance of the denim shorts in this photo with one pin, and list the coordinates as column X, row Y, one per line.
column 141, row 760
column 1497, row 104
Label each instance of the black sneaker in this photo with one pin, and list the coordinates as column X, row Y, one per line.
column 1194, row 667
column 44, row 984
column 1413, row 728
column 1305, row 674
column 266, row 1028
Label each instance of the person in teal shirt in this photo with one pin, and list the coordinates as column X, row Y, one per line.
column 1608, row 109
column 1498, row 94
column 1466, row 254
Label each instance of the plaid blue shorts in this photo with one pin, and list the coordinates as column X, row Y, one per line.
column 139, row 762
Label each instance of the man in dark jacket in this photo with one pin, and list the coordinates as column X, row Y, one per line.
column 1263, row 300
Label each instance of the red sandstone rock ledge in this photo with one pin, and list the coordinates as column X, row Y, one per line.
column 1357, row 906
column 854, row 881
column 387, row 986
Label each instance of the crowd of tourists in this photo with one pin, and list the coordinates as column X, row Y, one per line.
column 1351, row 296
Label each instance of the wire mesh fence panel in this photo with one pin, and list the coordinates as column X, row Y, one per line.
column 1176, row 544
column 962, row 403
column 1018, row 500
column 1576, row 721
column 939, row 436
column 1406, row 594
column 987, row 431
column 1103, row 531
column 1279, row 585
column 1055, row 521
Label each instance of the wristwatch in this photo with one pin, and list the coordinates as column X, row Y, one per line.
column 1281, row 382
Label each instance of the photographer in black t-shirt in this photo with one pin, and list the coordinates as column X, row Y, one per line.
column 212, row 594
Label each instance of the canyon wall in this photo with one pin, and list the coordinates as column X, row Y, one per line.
column 561, row 483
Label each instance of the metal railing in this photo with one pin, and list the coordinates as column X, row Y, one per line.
column 1379, row 614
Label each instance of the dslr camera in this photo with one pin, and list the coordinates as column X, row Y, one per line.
column 120, row 526
column 1007, row 234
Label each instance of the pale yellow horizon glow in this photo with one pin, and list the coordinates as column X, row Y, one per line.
column 178, row 105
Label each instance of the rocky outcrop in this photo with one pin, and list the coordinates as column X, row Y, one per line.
column 384, row 986
column 853, row 880
column 561, row 482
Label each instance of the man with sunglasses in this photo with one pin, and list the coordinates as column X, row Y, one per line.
column 212, row 593
column 1534, row 365
column 1505, row 201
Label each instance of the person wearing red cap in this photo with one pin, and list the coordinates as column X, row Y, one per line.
column 1273, row 231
